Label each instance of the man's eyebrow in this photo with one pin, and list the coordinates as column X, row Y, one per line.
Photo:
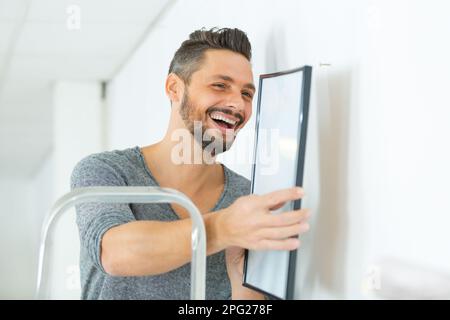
column 229, row 79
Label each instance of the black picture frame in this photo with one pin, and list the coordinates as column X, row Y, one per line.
column 302, row 132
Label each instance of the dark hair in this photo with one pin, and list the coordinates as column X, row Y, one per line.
column 190, row 55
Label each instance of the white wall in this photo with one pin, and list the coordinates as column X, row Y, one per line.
column 25, row 201
column 135, row 114
column 16, row 279
column 78, row 131
column 41, row 199
column 377, row 158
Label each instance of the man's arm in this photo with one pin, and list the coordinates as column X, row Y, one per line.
column 143, row 248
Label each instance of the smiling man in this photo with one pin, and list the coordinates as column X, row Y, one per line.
column 142, row 251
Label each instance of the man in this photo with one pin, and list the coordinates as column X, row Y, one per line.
column 142, row 251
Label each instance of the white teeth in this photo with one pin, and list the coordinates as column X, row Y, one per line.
column 216, row 116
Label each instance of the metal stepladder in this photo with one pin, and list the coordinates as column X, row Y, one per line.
column 132, row 195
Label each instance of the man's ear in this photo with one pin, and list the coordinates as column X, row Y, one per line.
column 174, row 88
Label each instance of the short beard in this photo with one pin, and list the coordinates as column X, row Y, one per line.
column 209, row 143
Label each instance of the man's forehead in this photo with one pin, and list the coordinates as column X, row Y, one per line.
column 228, row 66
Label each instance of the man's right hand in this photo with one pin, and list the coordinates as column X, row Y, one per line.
column 249, row 223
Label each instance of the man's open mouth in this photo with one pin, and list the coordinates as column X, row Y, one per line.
column 223, row 121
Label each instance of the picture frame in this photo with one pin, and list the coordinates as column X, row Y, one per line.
column 282, row 110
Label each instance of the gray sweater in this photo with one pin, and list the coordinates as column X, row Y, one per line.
column 128, row 168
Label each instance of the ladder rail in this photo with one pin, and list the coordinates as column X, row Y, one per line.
column 132, row 195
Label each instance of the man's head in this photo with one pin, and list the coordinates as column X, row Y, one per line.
column 210, row 83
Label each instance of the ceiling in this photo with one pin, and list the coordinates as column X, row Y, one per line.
column 39, row 46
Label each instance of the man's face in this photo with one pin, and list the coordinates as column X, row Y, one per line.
column 219, row 98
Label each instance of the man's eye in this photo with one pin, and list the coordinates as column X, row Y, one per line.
column 219, row 85
column 248, row 94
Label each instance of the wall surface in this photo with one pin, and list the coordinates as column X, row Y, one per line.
column 377, row 152
column 16, row 277
column 78, row 131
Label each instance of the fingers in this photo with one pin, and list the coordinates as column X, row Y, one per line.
column 285, row 244
column 276, row 199
column 287, row 218
column 285, row 232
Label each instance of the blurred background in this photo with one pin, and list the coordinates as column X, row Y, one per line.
column 84, row 76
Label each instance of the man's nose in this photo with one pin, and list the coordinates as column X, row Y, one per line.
column 237, row 103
